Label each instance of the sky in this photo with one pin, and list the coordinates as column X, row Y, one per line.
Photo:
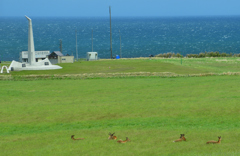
column 120, row 8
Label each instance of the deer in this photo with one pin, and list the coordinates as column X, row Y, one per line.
column 182, row 138
column 215, row 142
column 111, row 137
column 76, row 138
column 120, row 141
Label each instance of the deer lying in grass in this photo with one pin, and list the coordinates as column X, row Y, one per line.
column 182, row 138
column 76, row 138
column 120, row 141
column 215, row 142
column 111, row 137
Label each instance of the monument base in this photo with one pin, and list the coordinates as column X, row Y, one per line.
column 41, row 65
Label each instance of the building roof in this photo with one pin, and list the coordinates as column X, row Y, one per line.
column 58, row 53
column 38, row 54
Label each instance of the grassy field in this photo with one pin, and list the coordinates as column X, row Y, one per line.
column 143, row 65
column 150, row 101
column 38, row 117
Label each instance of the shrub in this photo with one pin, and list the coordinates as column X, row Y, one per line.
column 178, row 55
column 201, row 55
column 159, row 55
column 223, row 55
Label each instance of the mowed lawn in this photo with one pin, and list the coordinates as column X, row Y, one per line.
column 39, row 117
column 170, row 65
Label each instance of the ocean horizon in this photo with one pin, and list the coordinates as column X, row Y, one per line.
column 140, row 36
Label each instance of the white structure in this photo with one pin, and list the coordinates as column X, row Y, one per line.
column 39, row 55
column 92, row 56
column 32, row 64
column 5, row 68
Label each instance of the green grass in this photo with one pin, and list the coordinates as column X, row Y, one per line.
column 215, row 65
column 38, row 117
column 189, row 66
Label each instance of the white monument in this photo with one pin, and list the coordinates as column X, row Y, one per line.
column 32, row 64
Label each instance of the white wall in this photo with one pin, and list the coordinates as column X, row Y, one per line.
column 92, row 56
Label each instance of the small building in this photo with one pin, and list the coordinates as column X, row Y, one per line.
column 91, row 56
column 57, row 57
column 39, row 55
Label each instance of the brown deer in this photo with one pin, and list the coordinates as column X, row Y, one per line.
column 182, row 138
column 76, row 138
column 120, row 141
column 215, row 142
column 111, row 137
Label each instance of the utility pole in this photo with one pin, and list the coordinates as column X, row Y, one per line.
column 120, row 44
column 76, row 45
column 110, row 31
column 92, row 40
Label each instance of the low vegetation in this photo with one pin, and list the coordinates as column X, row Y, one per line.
column 200, row 55
column 169, row 55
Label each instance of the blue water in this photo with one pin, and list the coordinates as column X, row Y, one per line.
column 140, row 37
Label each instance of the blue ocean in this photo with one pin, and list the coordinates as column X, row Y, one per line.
column 140, row 37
